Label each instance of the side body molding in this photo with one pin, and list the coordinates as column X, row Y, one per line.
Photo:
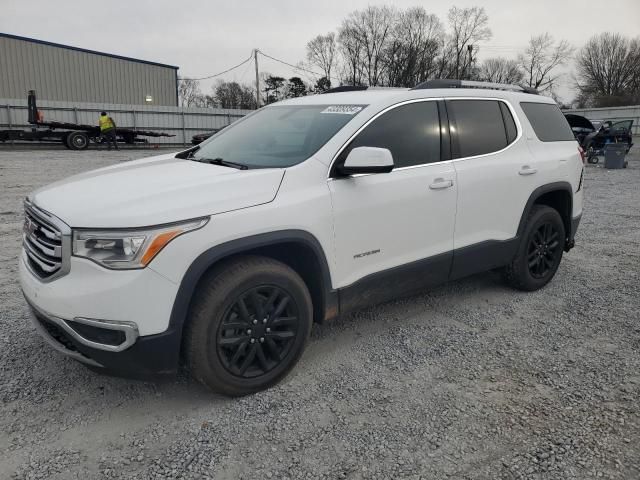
column 491, row 254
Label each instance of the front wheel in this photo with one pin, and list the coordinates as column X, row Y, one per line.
column 540, row 250
column 249, row 325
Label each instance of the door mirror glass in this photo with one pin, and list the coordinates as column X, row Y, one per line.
column 367, row 160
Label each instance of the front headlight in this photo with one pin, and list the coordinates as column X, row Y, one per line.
column 124, row 249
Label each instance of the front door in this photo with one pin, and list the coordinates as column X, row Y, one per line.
column 394, row 231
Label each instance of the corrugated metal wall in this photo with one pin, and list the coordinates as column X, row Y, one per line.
column 180, row 121
column 612, row 113
column 66, row 74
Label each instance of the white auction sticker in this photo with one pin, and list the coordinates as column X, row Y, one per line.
column 343, row 109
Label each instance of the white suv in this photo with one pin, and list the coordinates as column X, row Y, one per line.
column 222, row 256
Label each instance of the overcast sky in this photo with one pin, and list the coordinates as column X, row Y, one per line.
column 206, row 37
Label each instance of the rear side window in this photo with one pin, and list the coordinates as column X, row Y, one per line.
column 548, row 122
column 411, row 132
column 509, row 124
column 478, row 127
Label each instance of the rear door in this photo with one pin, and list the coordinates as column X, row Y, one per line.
column 496, row 174
column 622, row 131
column 388, row 220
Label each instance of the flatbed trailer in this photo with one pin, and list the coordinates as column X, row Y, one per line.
column 71, row 135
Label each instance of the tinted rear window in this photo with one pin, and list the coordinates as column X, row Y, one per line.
column 479, row 126
column 548, row 122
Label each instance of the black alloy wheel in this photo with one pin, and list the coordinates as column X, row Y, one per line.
column 543, row 250
column 539, row 252
column 258, row 331
column 249, row 323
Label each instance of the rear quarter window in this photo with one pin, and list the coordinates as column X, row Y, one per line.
column 548, row 122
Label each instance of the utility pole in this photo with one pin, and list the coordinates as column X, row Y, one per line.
column 255, row 56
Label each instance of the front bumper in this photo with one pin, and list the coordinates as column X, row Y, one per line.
column 148, row 356
column 142, row 297
column 133, row 340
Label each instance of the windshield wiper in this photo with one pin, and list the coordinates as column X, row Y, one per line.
column 222, row 162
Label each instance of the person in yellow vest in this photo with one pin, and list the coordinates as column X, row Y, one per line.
column 108, row 130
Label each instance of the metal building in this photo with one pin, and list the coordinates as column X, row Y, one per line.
column 64, row 73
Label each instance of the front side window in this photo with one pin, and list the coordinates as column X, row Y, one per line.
column 479, row 127
column 622, row 127
column 411, row 132
column 278, row 136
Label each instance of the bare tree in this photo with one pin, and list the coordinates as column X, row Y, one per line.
column 413, row 48
column 609, row 70
column 468, row 26
column 189, row 93
column 500, row 70
column 386, row 46
column 369, row 31
column 321, row 52
column 541, row 60
column 351, row 50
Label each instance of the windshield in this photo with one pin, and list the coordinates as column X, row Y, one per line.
column 278, row 136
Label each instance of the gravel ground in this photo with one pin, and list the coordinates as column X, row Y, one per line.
column 470, row 380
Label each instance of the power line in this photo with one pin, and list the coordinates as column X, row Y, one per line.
column 294, row 66
column 494, row 48
column 221, row 73
column 244, row 73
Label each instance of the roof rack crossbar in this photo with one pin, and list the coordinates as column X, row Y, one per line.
column 449, row 83
column 346, row 88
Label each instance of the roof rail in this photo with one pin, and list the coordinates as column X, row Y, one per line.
column 447, row 83
column 346, row 88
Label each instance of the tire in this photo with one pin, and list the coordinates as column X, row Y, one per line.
column 78, row 141
column 250, row 354
column 540, row 250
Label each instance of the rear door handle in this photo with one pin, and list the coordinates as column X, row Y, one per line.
column 441, row 183
column 527, row 170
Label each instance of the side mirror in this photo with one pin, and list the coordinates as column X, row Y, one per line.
column 367, row 160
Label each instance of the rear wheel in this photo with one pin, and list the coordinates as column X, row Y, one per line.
column 248, row 327
column 540, row 250
column 78, row 141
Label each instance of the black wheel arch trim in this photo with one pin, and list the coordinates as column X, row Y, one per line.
column 219, row 252
column 537, row 193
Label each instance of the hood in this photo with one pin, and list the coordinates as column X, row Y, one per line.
column 578, row 121
column 153, row 191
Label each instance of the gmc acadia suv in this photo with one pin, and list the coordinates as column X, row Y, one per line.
column 222, row 256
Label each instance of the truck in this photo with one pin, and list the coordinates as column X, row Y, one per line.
column 74, row 136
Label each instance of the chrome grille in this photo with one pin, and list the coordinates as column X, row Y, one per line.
column 44, row 238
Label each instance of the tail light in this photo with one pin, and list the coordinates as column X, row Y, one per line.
column 582, row 155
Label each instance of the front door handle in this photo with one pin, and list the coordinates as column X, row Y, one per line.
column 441, row 183
column 527, row 170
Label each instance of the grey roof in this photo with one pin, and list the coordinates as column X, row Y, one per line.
column 78, row 49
